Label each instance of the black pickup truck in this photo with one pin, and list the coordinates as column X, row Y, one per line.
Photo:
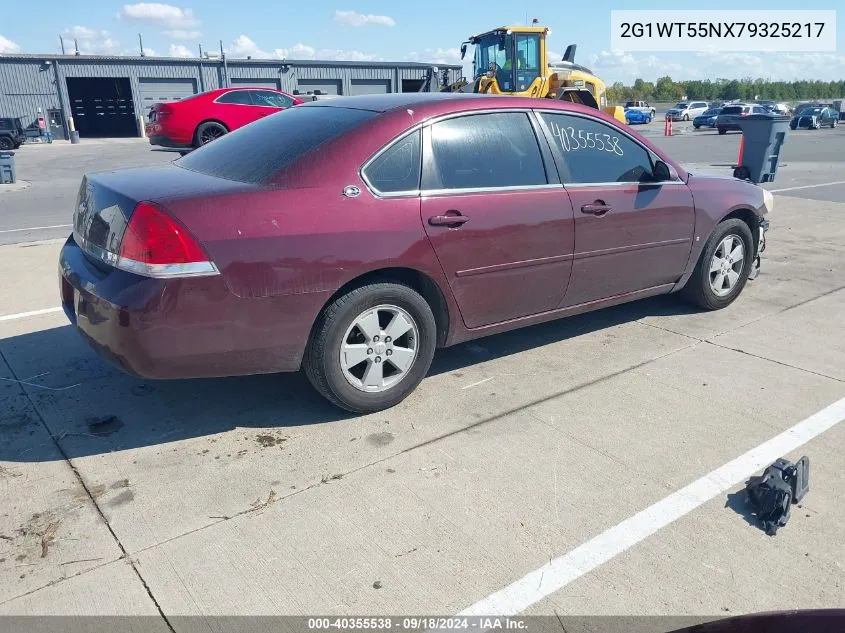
column 11, row 133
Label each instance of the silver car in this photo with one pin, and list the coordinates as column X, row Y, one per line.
column 687, row 111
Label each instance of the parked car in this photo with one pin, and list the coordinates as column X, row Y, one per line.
column 838, row 106
column 729, row 117
column 12, row 134
column 642, row 106
column 205, row 117
column 637, row 116
column 684, row 111
column 353, row 249
column 706, row 118
column 814, row 118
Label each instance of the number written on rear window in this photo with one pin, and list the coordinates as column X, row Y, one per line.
column 398, row 168
column 593, row 152
column 484, row 151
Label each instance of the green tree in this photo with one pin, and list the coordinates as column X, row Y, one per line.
column 667, row 90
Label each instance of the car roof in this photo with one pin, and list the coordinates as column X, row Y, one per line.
column 434, row 103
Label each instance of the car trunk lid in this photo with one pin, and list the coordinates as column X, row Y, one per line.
column 106, row 202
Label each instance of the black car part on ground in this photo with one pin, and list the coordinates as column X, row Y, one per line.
column 773, row 493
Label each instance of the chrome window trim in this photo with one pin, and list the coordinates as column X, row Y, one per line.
column 475, row 190
column 397, row 139
column 518, row 110
column 452, row 115
column 632, row 183
column 251, row 105
column 419, row 126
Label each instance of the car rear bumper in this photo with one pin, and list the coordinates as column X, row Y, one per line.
column 182, row 328
column 165, row 141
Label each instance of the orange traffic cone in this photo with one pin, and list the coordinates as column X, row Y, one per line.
column 741, row 149
column 667, row 126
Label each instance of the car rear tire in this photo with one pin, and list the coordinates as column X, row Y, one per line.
column 722, row 130
column 723, row 267
column 6, row 143
column 353, row 360
column 696, row 126
column 209, row 131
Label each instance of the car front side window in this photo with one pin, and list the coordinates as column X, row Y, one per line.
column 593, row 152
column 271, row 99
column 484, row 151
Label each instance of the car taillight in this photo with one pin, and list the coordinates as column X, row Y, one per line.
column 156, row 245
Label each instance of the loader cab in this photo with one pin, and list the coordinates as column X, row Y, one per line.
column 512, row 58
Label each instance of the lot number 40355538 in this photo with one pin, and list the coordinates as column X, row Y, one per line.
column 572, row 140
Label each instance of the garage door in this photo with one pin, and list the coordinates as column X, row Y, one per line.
column 369, row 86
column 327, row 86
column 255, row 83
column 154, row 91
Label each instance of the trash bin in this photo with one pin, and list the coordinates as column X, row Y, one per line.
column 763, row 138
column 7, row 168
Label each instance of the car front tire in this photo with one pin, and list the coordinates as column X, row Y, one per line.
column 723, row 267
column 722, row 130
column 6, row 143
column 353, row 360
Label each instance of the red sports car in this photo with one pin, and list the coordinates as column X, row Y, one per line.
column 204, row 117
column 352, row 237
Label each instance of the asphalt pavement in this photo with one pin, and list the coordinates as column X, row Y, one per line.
column 590, row 466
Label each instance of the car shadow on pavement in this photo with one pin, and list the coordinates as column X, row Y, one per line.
column 91, row 408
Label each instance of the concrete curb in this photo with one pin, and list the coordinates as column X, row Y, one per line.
column 20, row 185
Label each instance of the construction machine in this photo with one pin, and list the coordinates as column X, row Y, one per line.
column 513, row 60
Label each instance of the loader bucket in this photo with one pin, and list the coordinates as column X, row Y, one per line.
column 576, row 95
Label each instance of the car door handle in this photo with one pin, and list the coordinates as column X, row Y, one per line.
column 597, row 208
column 451, row 219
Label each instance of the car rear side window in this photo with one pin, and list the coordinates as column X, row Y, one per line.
column 484, row 151
column 5, row 125
column 592, row 152
column 238, row 97
column 397, row 169
column 255, row 152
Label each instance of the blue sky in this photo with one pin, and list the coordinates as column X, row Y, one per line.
column 428, row 31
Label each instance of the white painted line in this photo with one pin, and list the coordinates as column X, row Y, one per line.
column 480, row 382
column 24, row 315
column 38, row 228
column 821, row 184
column 564, row 569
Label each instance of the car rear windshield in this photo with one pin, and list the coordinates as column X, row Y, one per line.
column 732, row 110
column 259, row 150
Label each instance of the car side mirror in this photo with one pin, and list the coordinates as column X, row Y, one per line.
column 662, row 172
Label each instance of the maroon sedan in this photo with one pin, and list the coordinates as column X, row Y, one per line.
column 354, row 236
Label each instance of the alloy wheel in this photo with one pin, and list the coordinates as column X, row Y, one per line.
column 379, row 348
column 726, row 265
column 211, row 133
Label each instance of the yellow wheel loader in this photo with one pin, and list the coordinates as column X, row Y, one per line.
column 513, row 60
